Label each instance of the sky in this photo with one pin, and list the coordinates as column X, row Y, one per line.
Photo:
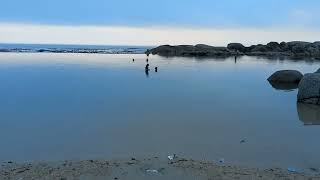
column 155, row 22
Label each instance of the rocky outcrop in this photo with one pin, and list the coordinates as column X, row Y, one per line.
column 188, row 50
column 237, row 47
column 293, row 49
column 309, row 89
column 286, row 76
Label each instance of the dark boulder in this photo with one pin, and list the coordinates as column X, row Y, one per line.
column 284, row 47
column 236, row 47
column 298, row 49
column 286, row 76
column 260, row 48
column 203, row 47
column 309, row 89
column 297, row 43
column 274, row 46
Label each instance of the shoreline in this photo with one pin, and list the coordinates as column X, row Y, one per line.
column 147, row 168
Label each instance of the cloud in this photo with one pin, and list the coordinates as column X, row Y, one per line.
column 122, row 35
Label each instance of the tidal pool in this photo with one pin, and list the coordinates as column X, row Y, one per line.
column 84, row 106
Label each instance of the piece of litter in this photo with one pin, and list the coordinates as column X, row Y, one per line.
column 242, row 141
column 221, row 160
column 293, row 170
column 152, row 171
column 171, row 157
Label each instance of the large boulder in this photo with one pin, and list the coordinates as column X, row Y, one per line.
column 297, row 44
column 298, row 48
column 284, row 46
column 309, row 89
column 203, row 47
column 173, row 50
column 286, row 76
column 274, row 46
column 259, row 48
column 313, row 49
column 236, row 47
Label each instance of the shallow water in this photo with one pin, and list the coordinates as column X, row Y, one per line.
column 81, row 106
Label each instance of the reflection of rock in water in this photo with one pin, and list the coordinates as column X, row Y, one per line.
column 309, row 114
column 284, row 86
column 147, row 72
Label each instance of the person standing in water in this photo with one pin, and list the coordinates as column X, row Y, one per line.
column 146, row 69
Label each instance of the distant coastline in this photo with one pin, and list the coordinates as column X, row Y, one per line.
column 298, row 49
column 89, row 49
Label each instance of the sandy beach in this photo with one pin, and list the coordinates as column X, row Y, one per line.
column 139, row 169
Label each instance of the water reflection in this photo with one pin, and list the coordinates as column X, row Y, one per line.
column 147, row 72
column 284, row 86
column 309, row 114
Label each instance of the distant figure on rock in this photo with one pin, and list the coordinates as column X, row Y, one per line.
column 156, row 69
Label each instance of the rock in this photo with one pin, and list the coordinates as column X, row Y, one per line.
column 236, row 47
column 260, row 48
column 309, row 89
column 286, row 76
column 318, row 71
column 291, row 49
column 284, row 46
column 188, row 50
column 203, row 47
column 298, row 49
column 297, row 43
column 274, row 46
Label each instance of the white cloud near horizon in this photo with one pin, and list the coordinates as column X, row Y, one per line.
column 117, row 35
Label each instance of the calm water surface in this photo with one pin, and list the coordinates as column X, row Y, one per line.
column 80, row 106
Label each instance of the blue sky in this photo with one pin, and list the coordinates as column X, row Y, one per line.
column 209, row 13
column 274, row 15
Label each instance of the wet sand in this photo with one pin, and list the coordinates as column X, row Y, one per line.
column 140, row 169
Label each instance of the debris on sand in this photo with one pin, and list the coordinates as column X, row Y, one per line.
column 171, row 157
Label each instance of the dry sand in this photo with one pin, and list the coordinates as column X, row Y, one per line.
column 140, row 169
